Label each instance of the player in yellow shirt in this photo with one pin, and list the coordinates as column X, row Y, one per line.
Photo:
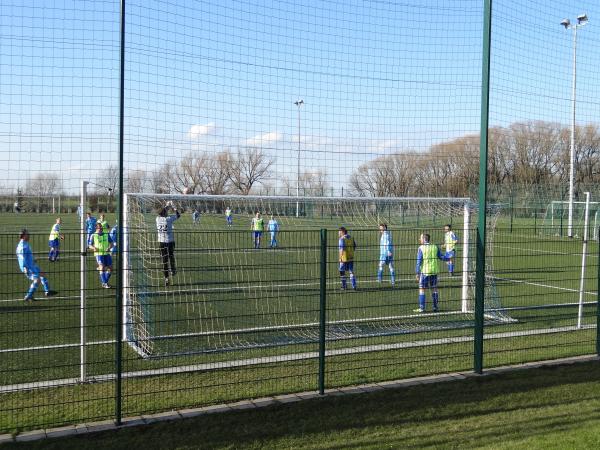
column 346, row 246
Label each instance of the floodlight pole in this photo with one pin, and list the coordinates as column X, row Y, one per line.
column 298, row 103
column 581, row 21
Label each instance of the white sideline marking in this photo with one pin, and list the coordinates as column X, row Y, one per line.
column 54, row 297
column 543, row 285
column 52, row 347
column 283, row 358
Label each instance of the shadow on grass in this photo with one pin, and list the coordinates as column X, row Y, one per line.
column 490, row 410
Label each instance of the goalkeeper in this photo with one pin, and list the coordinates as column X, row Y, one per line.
column 386, row 254
column 450, row 241
column 166, row 240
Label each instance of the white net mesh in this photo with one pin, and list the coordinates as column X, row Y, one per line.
column 556, row 218
column 228, row 295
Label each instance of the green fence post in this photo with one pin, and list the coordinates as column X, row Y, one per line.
column 322, row 310
column 119, row 293
column 483, row 161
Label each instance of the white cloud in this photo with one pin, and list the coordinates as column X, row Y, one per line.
column 263, row 139
column 196, row 131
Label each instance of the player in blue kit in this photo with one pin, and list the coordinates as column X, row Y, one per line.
column 346, row 246
column 273, row 227
column 101, row 244
column 196, row 217
column 113, row 234
column 427, row 270
column 229, row 217
column 386, row 254
column 30, row 268
column 54, row 241
column 90, row 226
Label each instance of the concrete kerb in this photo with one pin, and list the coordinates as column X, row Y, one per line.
column 6, row 438
column 105, row 425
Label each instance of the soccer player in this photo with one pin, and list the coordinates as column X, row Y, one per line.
column 450, row 241
column 273, row 227
column 30, row 268
column 102, row 221
column 101, row 244
column 386, row 254
column 196, row 217
column 166, row 240
column 54, row 241
column 228, row 217
column 258, row 226
column 90, row 226
column 346, row 246
column 427, row 271
column 112, row 234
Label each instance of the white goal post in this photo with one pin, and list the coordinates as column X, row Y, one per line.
column 555, row 219
column 193, row 324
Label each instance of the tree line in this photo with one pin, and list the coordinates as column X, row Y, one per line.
column 525, row 154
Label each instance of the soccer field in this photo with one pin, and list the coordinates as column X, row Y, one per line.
column 240, row 323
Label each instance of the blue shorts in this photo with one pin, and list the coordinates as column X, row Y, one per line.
column 54, row 243
column 229, row 220
column 257, row 234
column 428, row 281
column 386, row 259
column 347, row 266
column 450, row 254
column 105, row 260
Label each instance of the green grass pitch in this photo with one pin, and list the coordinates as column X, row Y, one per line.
column 223, row 283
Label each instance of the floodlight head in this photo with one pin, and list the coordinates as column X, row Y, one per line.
column 582, row 18
column 565, row 23
column 299, row 102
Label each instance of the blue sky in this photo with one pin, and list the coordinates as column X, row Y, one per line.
column 376, row 77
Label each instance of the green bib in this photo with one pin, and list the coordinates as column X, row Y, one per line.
column 430, row 264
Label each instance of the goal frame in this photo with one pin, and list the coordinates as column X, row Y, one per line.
column 466, row 204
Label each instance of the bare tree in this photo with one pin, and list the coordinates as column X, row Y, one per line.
column 137, row 181
column 386, row 176
column 43, row 185
column 108, row 180
column 216, row 175
column 40, row 188
column 312, row 183
column 247, row 168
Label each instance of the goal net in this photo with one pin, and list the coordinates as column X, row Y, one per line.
column 556, row 218
column 227, row 294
